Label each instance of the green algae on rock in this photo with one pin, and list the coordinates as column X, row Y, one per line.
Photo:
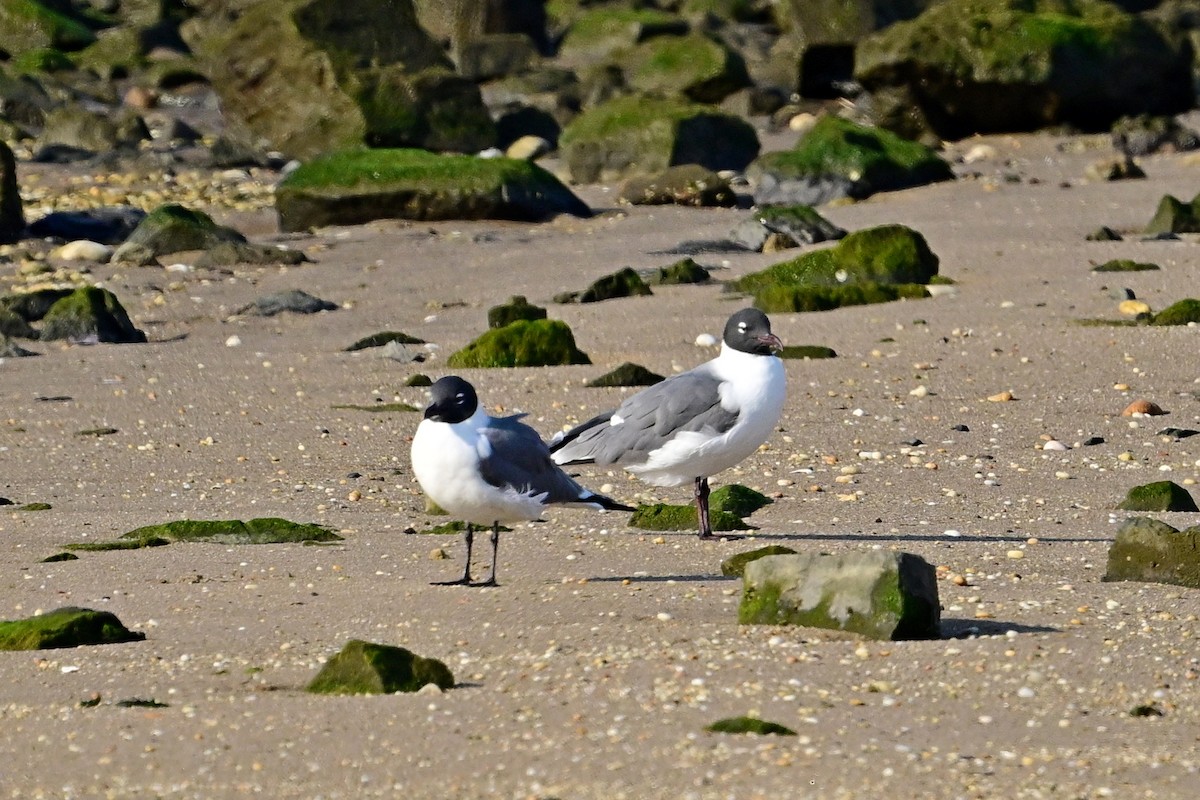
column 378, row 408
column 357, row 186
column 382, row 338
column 622, row 283
column 524, row 343
column 735, row 565
column 1175, row 216
column 876, row 594
column 1124, row 265
column 668, row 517
column 1158, row 496
column 1184, row 312
column 686, row 270
column 737, row 499
column 65, row 627
column 753, row 725
column 368, row 668
column 804, row 352
column 172, row 228
column 90, row 311
column 260, row 530
column 1152, row 551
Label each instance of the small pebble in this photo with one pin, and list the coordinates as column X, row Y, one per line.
column 706, row 340
column 1002, row 397
column 233, row 341
column 1054, row 444
column 1015, row 554
column 1142, row 408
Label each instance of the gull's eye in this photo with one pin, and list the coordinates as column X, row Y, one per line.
column 459, row 396
column 742, row 327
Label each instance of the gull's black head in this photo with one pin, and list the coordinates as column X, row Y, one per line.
column 749, row 331
column 453, row 400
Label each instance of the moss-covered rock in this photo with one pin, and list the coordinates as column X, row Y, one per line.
column 668, row 517
column 382, row 338
column 805, row 352
column 774, row 228
column 737, row 499
column 685, row 270
column 783, row 299
column 172, row 228
column 368, row 668
column 628, row 374
column 525, row 343
column 232, row 253
column 90, row 311
column 517, row 308
column 1152, row 551
column 876, row 594
column 379, row 408
column 296, row 301
column 59, row 557
column 261, row 530
column 693, row 65
column 735, row 565
column 753, row 725
column 65, row 627
column 596, row 33
column 840, row 158
column 681, row 185
column 1158, row 496
column 1175, row 216
column 1124, row 265
column 1184, row 312
column 352, row 187
column 639, row 134
column 27, row 25
column 622, row 283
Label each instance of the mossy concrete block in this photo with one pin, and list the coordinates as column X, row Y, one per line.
column 760, row 727
column 667, row 517
column 1184, row 312
column 1152, row 551
column 735, row 565
column 876, row 594
column 357, row 186
column 367, row 668
column 90, row 311
column 840, row 158
column 1158, row 496
column 172, row 228
column 517, row 308
column 686, row 270
column 525, row 343
column 628, row 374
column 65, row 627
column 643, row 134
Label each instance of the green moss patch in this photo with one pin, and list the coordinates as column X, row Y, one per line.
column 367, row 668
column 1183, row 312
column 261, row 530
column 667, row 517
column 525, row 343
column 97, row 432
column 517, row 308
column 804, row 352
column 1152, row 551
column 65, row 627
column 749, row 725
column 1124, row 265
column 735, row 565
column 683, row 271
column 1175, row 216
column 1158, row 496
column 380, row 408
column 737, row 499
column 90, row 311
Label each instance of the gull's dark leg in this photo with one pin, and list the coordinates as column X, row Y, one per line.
column 465, row 580
column 495, row 539
column 702, row 508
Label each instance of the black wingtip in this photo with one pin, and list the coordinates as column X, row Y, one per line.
column 608, row 504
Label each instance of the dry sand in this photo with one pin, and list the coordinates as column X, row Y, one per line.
column 593, row 669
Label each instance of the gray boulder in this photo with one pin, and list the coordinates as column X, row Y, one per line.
column 88, row 313
column 877, row 594
column 780, row 227
column 173, row 228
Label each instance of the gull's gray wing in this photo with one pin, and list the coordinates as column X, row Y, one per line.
column 517, row 457
column 687, row 402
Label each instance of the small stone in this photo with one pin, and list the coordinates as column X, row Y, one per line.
column 1054, row 444
column 1015, row 554
column 706, row 340
column 83, row 250
column 920, row 391
column 233, row 341
column 438, row 554
column 1133, row 308
column 1002, row 397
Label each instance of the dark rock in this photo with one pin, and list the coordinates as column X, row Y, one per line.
column 1092, row 441
column 735, row 565
column 1103, row 234
column 65, row 627
column 683, row 184
column 367, row 668
column 1152, row 551
column 227, row 254
column 806, row 352
column 12, row 215
column 1183, row 312
column 353, row 187
column 839, row 158
column 1041, row 62
column 1120, row 167
column 518, row 120
column 1124, row 265
column 525, row 343
column 90, row 312
column 107, row 225
column 9, row 348
column 75, row 127
column 173, row 228
column 638, row 134
column 1158, row 496
column 622, row 283
column 418, row 380
column 382, row 338
column 681, row 272
column 628, row 374
column 495, row 55
column 693, row 65
column 294, row 300
column 31, row 306
column 779, row 227
column 12, row 323
column 230, row 150
column 1143, row 135
column 517, row 308
column 879, row 595
column 1175, row 216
